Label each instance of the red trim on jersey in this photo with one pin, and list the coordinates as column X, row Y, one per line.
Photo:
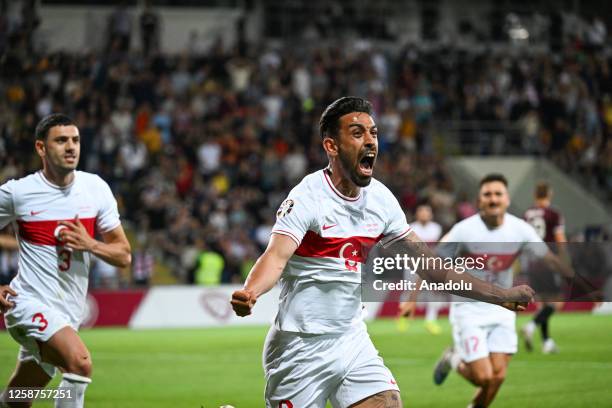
column 339, row 194
column 400, row 236
column 287, row 233
column 495, row 262
column 43, row 232
column 351, row 248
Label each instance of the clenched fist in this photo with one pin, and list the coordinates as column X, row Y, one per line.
column 5, row 304
column 518, row 297
column 242, row 302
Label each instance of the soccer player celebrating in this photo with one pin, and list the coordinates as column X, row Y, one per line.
column 550, row 226
column 56, row 211
column 318, row 348
column 484, row 334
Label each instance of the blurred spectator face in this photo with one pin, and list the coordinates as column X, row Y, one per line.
column 493, row 199
column 61, row 149
column 423, row 214
column 357, row 147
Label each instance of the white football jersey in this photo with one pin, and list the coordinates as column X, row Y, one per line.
column 499, row 247
column 48, row 271
column 321, row 284
column 429, row 232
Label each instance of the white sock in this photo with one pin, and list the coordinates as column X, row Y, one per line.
column 530, row 327
column 431, row 312
column 76, row 384
column 455, row 360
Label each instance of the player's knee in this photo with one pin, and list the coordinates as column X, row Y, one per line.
column 483, row 379
column 499, row 377
column 80, row 364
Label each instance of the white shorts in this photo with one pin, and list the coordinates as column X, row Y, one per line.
column 475, row 335
column 31, row 321
column 307, row 370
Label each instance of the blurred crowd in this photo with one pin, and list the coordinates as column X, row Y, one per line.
column 200, row 148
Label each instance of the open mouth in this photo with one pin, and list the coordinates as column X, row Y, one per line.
column 366, row 164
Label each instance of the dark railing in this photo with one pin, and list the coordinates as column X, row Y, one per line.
column 481, row 138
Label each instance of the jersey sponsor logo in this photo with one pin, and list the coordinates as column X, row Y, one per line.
column 34, row 213
column 285, row 208
column 326, row 227
column 393, row 381
column 43, row 232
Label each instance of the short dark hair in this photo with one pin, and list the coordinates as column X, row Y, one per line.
column 493, row 177
column 49, row 121
column 329, row 125
column 542, row 190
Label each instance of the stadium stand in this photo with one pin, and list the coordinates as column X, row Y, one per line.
column 201, row 147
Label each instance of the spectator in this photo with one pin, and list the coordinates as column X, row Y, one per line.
column 143, row 265
column 150, row 26
column 206, row 145
column 120, row 28
column 209, row 267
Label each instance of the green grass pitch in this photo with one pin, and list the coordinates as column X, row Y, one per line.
column 212, row 367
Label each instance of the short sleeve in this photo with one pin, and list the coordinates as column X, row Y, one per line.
column 396, row 227
column 453, row 235
column 108, row 213
column 295, row 216
column 532, row 241
column 451, row 243
column 7, row 207
column 559, row 224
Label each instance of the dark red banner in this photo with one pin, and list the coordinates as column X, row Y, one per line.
column 109, row 308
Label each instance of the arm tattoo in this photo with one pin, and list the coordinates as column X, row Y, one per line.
column 385, row 399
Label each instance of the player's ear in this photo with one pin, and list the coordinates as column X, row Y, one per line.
column 330, row 146
column 39, row 145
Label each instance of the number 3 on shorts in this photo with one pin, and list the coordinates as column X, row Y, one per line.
column 64, row 257
column 41, row 320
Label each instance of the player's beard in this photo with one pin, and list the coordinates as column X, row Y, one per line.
column 62, row 166
column 351, row 167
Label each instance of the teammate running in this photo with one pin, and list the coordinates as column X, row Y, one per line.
column 484, row 334
column 56, row 212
